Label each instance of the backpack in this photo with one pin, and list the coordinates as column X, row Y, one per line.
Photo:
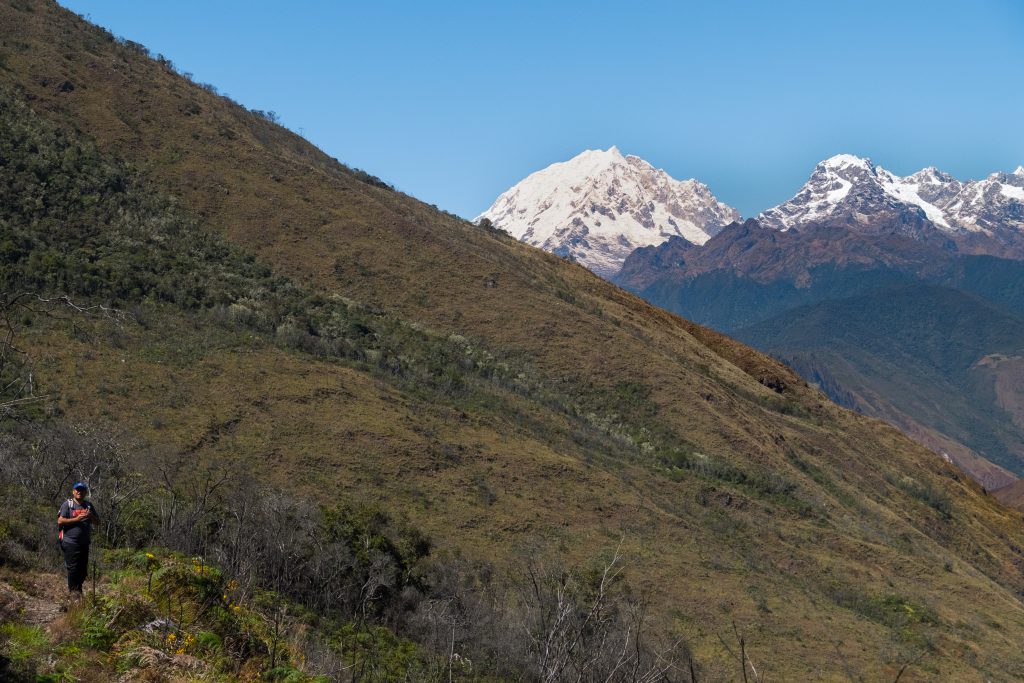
column 60, row 529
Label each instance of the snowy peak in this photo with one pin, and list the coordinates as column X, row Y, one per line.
column 841, row 161
column 587, row 163
column 841, row 184
column 600, row 205
column 852, row 190
column 931, row 175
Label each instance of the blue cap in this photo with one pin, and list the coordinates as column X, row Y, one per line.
column 81, row 485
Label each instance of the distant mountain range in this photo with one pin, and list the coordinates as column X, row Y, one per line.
column 978, row 216
column 599, row 206
column 851, row 188
column 901, row 297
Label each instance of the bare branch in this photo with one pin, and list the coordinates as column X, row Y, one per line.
column 17, row 382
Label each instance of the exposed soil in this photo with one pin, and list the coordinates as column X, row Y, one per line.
column 37, row 599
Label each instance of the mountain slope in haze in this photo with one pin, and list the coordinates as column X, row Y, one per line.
column 599, row 206
column 774, row 271
column 916, row 352
column 334, row 335
column 1012, row 494
column 853, row 228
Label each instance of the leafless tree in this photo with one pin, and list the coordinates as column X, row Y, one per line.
column 742, row 658
column 17, row 385
column 588, row 629
column 548, row 623
column 17, row 380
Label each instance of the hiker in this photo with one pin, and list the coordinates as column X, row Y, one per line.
column 75, row 520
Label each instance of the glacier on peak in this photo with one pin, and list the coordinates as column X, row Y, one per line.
column 600, row 205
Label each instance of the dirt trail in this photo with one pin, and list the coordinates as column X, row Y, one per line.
column 37, row 599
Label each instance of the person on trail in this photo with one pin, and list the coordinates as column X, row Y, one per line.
column 75, row 520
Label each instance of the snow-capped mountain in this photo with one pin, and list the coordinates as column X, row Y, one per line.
column 600, row 205
column 852, row 190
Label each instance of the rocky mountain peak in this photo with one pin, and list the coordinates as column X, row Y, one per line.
column 844, row 187
column 932, row 175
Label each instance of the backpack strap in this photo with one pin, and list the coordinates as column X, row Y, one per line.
column 71, row 509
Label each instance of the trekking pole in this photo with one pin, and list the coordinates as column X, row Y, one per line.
column 95, row 566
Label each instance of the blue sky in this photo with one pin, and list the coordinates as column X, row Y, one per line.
column 454, row 102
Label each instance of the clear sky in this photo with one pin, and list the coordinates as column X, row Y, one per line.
column 454, row 102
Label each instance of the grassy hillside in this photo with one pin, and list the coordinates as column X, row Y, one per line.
column 301, row 322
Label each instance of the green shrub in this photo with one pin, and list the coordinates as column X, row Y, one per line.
column 23, row 643
column 208, row 642
column 97, row 636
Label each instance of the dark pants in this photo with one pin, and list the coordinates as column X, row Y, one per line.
column 76, row 559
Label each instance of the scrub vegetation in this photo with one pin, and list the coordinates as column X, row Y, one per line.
column 208, row 575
